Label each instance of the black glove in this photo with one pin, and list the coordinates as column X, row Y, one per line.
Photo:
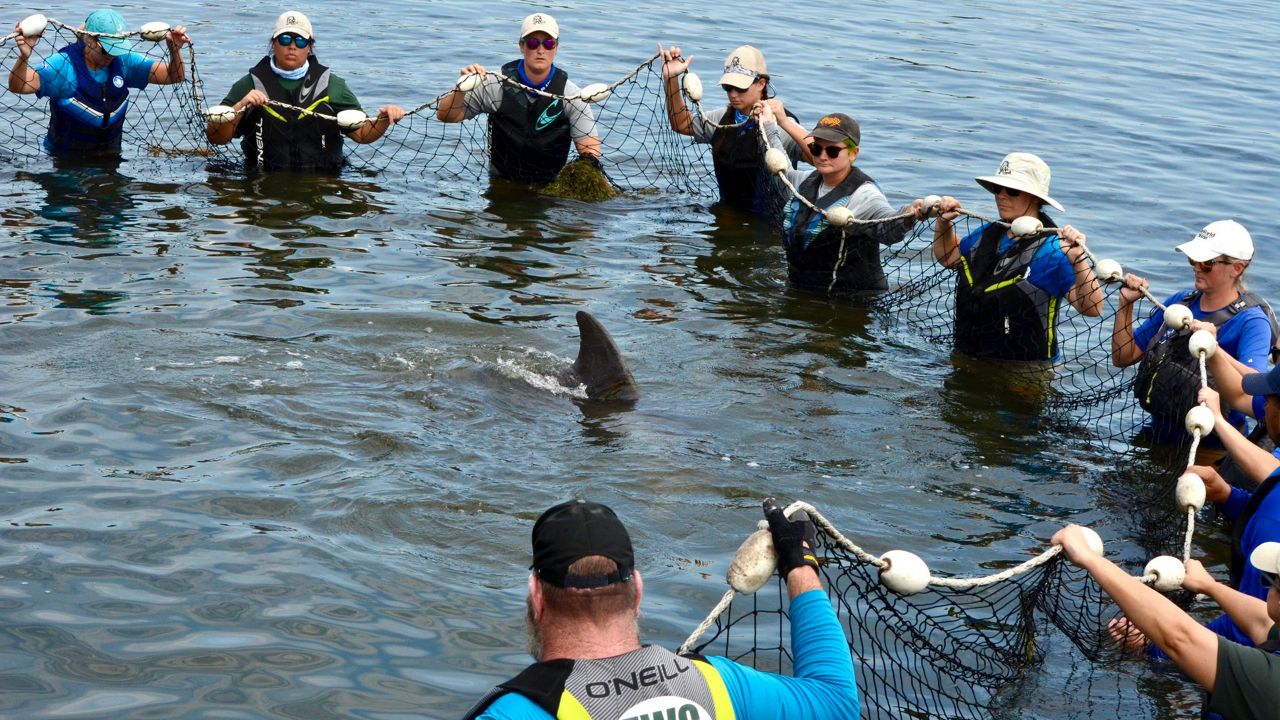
column 793, row 539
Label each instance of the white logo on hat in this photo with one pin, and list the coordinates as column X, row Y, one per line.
column 1004, row 169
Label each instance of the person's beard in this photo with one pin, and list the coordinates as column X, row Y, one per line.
column 533, row 630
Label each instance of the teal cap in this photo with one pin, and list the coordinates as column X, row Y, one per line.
column 109, row 22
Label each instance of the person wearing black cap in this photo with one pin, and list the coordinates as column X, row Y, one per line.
column 584, row 599
column 821, row 256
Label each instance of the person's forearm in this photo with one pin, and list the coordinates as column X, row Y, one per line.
column 801, row 580
column 1249, row 613
column 589, row 145
column 1255, row 462
column 1124, row 351
column 678, row 114
column 22, row 79
column 371, row 130
column 946, row 243
column 177, row 71
column 1226, row 376
column 1086, row 292
column 451, row 108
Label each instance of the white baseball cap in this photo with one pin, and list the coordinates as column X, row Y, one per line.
column 1266, row 557
column 744, row 66
column 1221, row 237
column 539, row 22
column 294, row 22
column 1021, row 171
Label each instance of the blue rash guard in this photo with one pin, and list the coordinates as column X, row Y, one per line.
column 87, row 106
column 1050, row 267
column 823, row 685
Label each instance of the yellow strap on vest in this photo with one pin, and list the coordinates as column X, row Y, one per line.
column 967, row 275
column 1053, row 310
column 570, row 708
column 719, row 693
column 275, row 114
column 313, row 106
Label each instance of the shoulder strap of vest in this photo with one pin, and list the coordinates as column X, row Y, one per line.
column 542, row 683
column 715, row 683
column 1236, row 566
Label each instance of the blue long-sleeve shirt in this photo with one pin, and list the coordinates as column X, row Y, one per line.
column 823, row 686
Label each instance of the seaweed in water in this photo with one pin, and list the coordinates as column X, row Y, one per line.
column 581, row 179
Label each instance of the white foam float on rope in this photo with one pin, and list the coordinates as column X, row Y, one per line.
column 1203, row 341
column 1092, row 539
column 1190, row 492
column 692, row 85
column 1178, row 316
column 1169, row 573
column 595, row 92
column 220, row 114
column 931, row 204
column 1026, row 226
column 840, row 216
column 33, row 25
column 468, row 82
column 903, row 572
column 351, row 119
column 776, row 161
column 753, row 564
column 154, row 31
column 1200, row 418
column 1109, row 271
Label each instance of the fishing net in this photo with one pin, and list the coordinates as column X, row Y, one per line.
column 161, row 120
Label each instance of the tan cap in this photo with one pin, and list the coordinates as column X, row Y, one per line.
column 743, row 66
column 1022, row 171
column 539, row 22
column 1266, row 557
column 294, row 22
column 1222, row 237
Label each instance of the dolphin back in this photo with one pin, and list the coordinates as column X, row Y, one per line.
column 599, row 365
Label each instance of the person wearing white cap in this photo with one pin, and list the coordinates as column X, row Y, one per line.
column 737, row 149
column 1169, row 378
column 88, row 82
column 1008, row 289
column 276, row 138
column 1244, row 682
column 529, row 133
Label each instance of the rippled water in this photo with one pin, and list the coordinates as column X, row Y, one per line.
column 267, row 450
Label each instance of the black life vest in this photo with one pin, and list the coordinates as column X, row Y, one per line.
column 529, row 137
column 999, row 313
column 278, row 139
column 650, row 684
column 737, row 156
column 822, row 257
column 1238, row 556
column 1168, row 379
column 92, row 120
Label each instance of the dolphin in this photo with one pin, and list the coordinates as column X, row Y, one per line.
column 599, row 366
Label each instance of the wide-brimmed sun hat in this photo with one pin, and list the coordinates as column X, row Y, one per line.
column 1021, row 171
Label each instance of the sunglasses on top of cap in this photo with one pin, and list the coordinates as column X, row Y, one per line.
column 287, row 39
column 532, row 43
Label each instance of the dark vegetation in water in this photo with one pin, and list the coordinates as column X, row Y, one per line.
column 581, row 179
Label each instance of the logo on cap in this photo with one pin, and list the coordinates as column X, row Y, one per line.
column 291, row 20
column 1207, row 234
column 829, row 121
column 734, row 60
column 537, row 20
column 1004, row 169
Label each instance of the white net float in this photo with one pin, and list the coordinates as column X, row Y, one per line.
column 1177, row 316
column 468, row 82
column 1092, row 539
column 1109, row 271
column 1026, row 226
column 692, row 86
column 33, row 25
column 1190, row 491
column 219, row 114
column 931, row 206
column 904, row 573
column 595, row 92
column 1202, row 341
column 1169, row 573
column 840, row 216
column 776, row 161
column 1200, row 418
column 753, row 564
column 351, row 119
column 154, row 31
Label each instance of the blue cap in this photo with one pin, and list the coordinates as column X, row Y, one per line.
column 1267, row 383
column 111, row 23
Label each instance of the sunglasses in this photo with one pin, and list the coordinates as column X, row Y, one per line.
column 1207, row 265
column 532, row 43
column 1006, row 191
column 832, row 151
column 1270, row 580
column 287, row 39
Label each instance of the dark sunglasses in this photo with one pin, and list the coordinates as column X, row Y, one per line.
column 833, row 151
column 1270, row 580
column 1207, row 265
column 287, row 39
column 1007, row 191
column 532, row 43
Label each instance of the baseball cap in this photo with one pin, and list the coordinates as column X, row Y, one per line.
column 838, row 127
column 1022, row 171
column 294, row 22
column 576, row 529
column 743, row 66
column 1222, row 237
column 1266, row 558
column 1267, row 383
column 111, row 23
column 539, row 22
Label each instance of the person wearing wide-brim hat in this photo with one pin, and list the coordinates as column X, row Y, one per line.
column 1008, row 289
column 88, row 82
column 820, row 255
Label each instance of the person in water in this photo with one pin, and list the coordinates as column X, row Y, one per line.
column 584, row 598
column 275, row 138
column 529, row 133
column 1168, row 379
column 821, row 256
column 736, row 144
column 88, row 82
column 1009, row 290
